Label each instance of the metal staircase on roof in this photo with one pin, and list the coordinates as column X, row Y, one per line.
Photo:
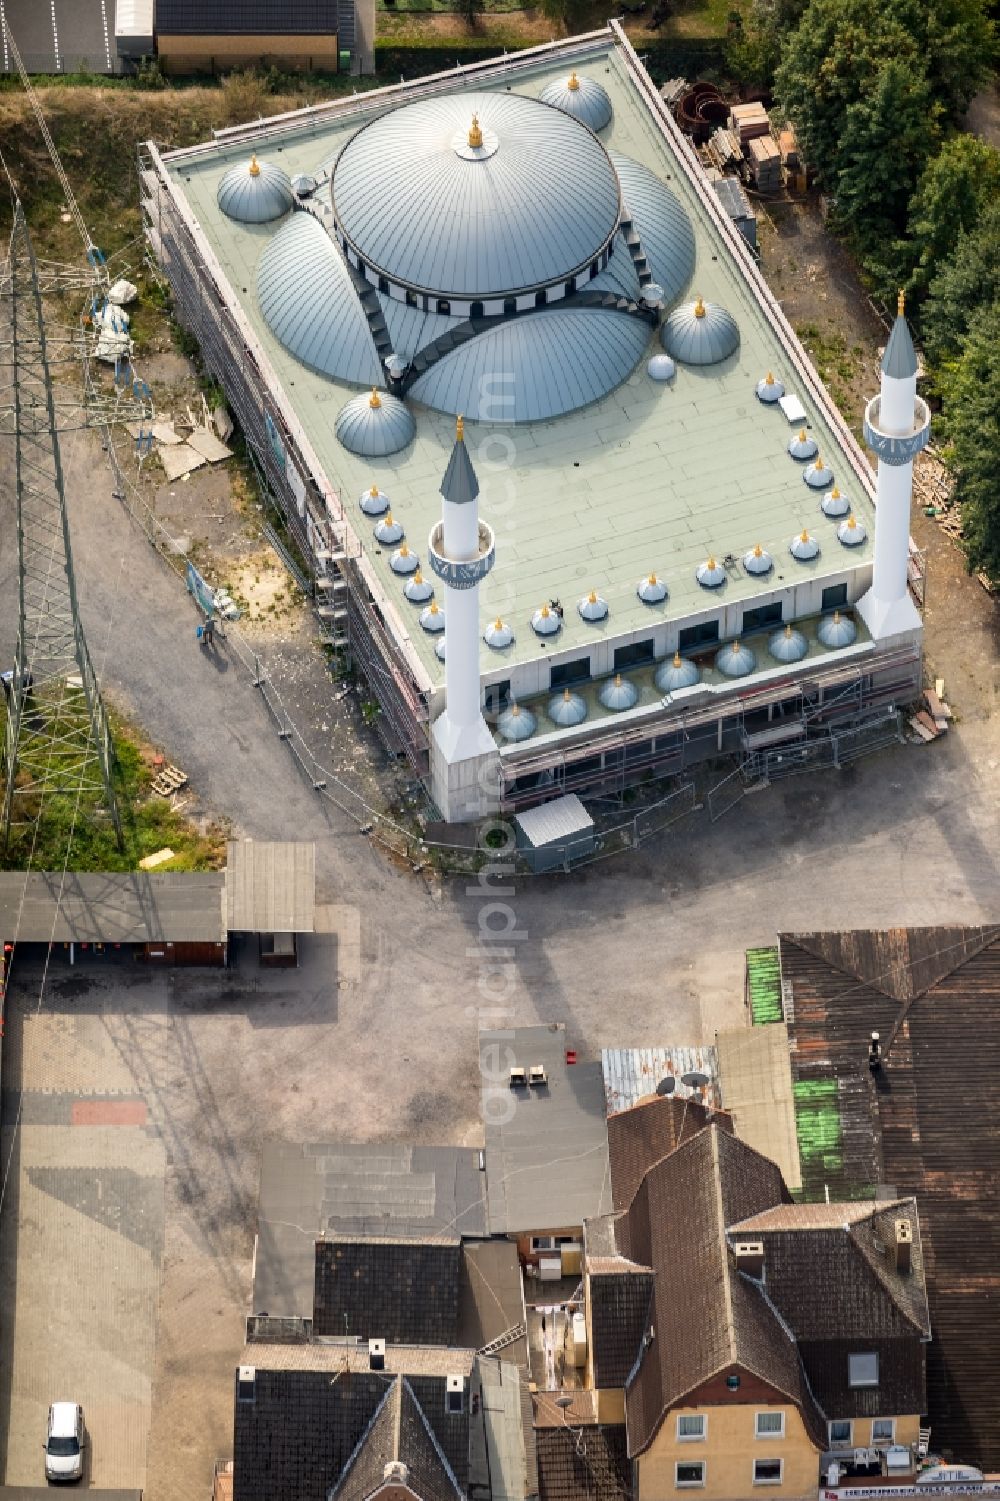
column 635, row 250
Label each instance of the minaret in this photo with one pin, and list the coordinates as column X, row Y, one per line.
column 462, row 551
column 897, row 427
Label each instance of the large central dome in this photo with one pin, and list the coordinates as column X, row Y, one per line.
column 435, row 204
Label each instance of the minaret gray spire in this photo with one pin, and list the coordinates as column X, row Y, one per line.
column 900, row 358
column 460, row 485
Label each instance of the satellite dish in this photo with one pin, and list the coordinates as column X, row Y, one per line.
column 564, row 1402
column 666, row 1086
column 695, row 1080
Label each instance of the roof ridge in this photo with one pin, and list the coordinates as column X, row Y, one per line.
column 879, row 1265
column 723, row 1248
column 431, row 1434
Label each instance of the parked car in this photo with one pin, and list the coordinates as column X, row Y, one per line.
column 65, row 1441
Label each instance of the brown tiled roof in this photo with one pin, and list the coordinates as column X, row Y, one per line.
column 927, row 1125
column 653, row 1129
column 590, row 1464
column 398, row 1432
column 620, row 1300
column 582, row 1408
column 832, row 1216
column 407, row 1360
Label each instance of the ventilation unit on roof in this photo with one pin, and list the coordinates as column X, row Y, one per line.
column 454, row 1399
column 537, row 1075
column 902, row 1246
column 246, row 1383
column 518, row 1078
column 749, row 1257
column 376, row 1354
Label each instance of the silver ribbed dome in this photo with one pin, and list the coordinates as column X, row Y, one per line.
column 373, row 426
column 700, row 333
column 661, row 223
column 535, row 367
column 534, row 204
column 802, row 445
column 567, row 708
column 836, row 630
column 498, row 634
column 432, row 619
column 817, row 475
column 661, row 367
column 403, row 561
column 735, row 660
column 388, row 530
column 418, row 589
column 679, row 672
column 440, row 649
column 651, row 590
column 516, row 723
column 374, row 502
column 546, row 622
column 304, row 185
column 310, row 305
column 758, row 561
column 618, row 694
column 592, row 607
column 835, row 504
column 582, row 97
column 255, row 192
column 788, row 645
column 852, row 532
column 769, row 390
column 804, row 547
column 710, row 574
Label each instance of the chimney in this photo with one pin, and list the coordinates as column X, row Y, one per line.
column 395, row 1473
column 902, row 1247
column 749, row 1257
column 376, row 1354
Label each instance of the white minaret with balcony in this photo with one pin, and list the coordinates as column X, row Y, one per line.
column 897, row 427
column 464, row 758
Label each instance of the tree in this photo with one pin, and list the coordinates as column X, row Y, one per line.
column 957, row 185
column 974, row 429
column 963, row 288
column 959, row 42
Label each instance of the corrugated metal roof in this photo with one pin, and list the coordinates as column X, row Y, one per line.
column 632, row 1073
column 661, row 223
column 559, row 819
column 271, row 887
column 535, row 367
column 309, row 302
column 546, row 1147
column 535, row 211
column 135, row 907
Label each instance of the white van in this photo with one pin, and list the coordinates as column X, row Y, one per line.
column 65, row 1441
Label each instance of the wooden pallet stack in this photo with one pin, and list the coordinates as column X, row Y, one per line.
column 724, row 149
column 749, row 121
column 765, row 163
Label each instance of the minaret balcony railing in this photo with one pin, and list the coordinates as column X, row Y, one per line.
column 897, row 448
column 462, row 573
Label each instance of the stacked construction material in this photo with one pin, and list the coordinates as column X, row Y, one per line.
column 749, row 121
column 724, row 149
column 765, row 163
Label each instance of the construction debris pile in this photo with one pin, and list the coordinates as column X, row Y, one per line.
column 735, row 141
column 200, row 441
column 932, row 720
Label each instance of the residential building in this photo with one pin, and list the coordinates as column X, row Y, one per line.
column 214, row 36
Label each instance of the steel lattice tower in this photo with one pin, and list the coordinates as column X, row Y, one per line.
column 58, row 741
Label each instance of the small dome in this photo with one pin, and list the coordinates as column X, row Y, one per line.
column 404, row 561
column 373, row 426
column 417, row 589
column 735, row 660
column 652, row 294
column 582, row 97
column 802, row 446
column 593, row 607
column 618, row 694
column 758, row 561
column 546, row 622
column 651, row 590
column 804, row 547
column 255, row 192
column 788, row 645
column 679, row 672
column 432, row 619
column 700, row 333
column 852, row 532
column 303, row 185
column 388, row 530
column 661, row 222
column 710, row 574
column 661, row 367
column 834, row 504
column 498, row 634
column 817, row 475
column 439, row 649
column 374, row 502
column 769, row 389
column 516, row 723
column 836, row 630
column 567, row 708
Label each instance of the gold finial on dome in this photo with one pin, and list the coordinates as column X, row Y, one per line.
column 592, row 597
column 566, row 695
column 545, row 612
column 711, row 565
column 851, row 523
column 677, row 659
column 758, row 551
column 652, row 579
column 788, row 631
column 374, row 400
column 901, row 303
column 254, row 166
column 373, row 492
column 835, row 493
column 572, row 82
column 803, row 435
column 418, row 577
column 434, row 610
column 699, row 307
column 475, row 133
column 805, row 535
column 498, row 624
column 817, row 462
column 404, row 551
column 459, row 429
column 618, row 679
column 769, row 378
column 836, row 617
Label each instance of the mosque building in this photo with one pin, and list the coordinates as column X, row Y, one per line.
column 565, row 481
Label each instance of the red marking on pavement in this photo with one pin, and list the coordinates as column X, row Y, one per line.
column 109, row 1113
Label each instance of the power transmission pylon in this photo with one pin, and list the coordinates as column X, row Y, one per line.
column 58, row 740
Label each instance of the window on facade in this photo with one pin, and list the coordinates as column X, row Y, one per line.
column 883, row 1430
column 634, row 654
column 834, row 597
column 475, row 310
column 762, row 616
column 497, row 696
column 698, row 635
column 541, row 298
column 840, row 1432
column 455, row 1402
column 411, row 299
column 767, row 1471
column 862, row 1370
column 690, row 1425
column 594, row 269
column 541, row 1243
column 692, row 1473
column 770, row 1424
column 383, row 285
column 444, row 307
column 565, row 673
column 570, row 287
column 509, row 307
